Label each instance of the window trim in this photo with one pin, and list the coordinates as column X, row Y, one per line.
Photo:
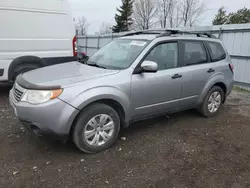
column 137, row 68
column 204, row 48
column 210, row 51
column 207, row 51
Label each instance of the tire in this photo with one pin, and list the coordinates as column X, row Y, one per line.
column 24, row 67
column 204, row 109
column 82, row 126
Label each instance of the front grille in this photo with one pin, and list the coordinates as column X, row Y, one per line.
column 18, row 92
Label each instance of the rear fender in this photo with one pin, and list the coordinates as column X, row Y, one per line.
column 219, row 77
column 24, row 59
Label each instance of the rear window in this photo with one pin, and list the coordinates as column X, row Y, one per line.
column 216, row 51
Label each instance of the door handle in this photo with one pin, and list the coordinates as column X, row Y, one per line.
column 176, row 76
column 210, row 70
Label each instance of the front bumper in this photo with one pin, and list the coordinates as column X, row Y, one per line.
column 53, row 118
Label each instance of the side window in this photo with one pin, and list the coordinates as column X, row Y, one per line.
column 216, row 51
column 165, row 55
column 192, row 52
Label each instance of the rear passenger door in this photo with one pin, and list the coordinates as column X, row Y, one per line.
column 196, row 70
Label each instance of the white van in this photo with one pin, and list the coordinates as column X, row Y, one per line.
column 33, row 34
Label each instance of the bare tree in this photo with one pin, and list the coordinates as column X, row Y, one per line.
column 144, row 14
column 164, row 8
column 191, row 11
column 105, row 28
column 81, row 25
column 173, row 13
column 174, row 17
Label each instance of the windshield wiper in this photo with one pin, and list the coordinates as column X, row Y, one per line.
column 95, row 65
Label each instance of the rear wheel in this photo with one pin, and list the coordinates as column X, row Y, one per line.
column 24, row 67
column 212, row 102
column 96, row 128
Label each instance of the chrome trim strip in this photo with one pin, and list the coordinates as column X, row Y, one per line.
column 157, row 104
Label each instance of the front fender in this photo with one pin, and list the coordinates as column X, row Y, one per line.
column 219, row 77
column 99, row 93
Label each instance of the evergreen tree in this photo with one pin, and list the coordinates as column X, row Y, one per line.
column 240, row 17
column 124, row 17
column 221, row 17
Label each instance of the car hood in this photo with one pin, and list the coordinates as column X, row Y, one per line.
column 61, row 75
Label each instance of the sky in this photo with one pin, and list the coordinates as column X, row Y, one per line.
column 97, row 12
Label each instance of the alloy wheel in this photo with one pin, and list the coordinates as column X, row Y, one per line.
column 99, row 130
column 214, row 102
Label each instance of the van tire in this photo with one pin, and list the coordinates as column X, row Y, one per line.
column 82, row 122
column 24, row 67
column 204, row 111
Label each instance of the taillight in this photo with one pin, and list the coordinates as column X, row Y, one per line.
column 231, row 66
column 74, row 46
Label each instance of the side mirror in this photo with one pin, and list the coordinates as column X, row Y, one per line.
column 149, row 66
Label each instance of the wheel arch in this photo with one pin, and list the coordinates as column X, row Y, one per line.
column 223, row 87
column 108, row 101
column 217, row 80
column 109, row 95
column 24, row 59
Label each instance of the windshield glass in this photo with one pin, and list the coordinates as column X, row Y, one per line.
column 118, row 54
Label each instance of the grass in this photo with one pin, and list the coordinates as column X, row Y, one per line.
column 240, row 89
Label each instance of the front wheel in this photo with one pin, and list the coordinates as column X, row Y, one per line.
column 212, row 102
column 96, row 128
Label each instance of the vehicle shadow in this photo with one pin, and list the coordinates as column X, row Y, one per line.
column 144, row 127
column 4, row 89
column 4, row 93
column 160, row 121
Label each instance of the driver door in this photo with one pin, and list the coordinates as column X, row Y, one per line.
column 158, row 92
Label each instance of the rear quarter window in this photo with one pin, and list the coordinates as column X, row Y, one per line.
column 216, row 51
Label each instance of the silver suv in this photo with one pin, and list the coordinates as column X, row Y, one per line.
column 138, row 76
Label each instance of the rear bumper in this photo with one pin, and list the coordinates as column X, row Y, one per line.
column 230, row 87
column 1, row 72
column 4, row 67
column 53, row 118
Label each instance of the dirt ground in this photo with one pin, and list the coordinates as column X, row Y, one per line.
column 185, row 150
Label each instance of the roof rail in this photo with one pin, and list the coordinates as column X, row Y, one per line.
column 174, row 32
column 169, row 32
column 142, row 32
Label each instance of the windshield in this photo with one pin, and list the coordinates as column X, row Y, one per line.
column 118, row 54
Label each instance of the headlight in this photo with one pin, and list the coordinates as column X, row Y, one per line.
column 39, row 96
